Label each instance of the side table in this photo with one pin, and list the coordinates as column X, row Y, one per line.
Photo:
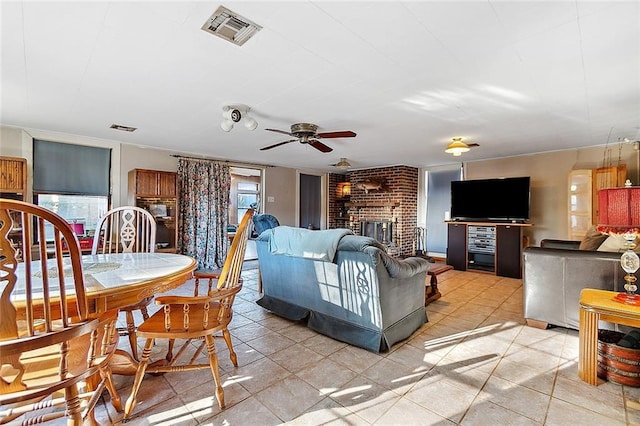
column 431, row 292
column 596, row 305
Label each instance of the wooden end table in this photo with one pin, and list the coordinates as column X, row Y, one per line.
column 431, row 291
column 598, row 305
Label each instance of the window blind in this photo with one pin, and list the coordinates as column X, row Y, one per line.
column 70, row 169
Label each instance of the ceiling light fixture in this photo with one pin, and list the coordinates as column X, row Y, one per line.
column 457, row 147
column 343, row 164
column 233, row 114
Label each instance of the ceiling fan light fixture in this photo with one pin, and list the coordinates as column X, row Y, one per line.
column 457, row 147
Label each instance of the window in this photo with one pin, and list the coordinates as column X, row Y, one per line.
column 438, row 205
column 248, row 193
column 72, row 181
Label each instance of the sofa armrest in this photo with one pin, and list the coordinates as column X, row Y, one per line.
column 560, row 244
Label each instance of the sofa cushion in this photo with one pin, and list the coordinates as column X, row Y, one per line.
column 592, row 240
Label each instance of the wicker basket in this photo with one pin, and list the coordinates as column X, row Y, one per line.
column 617, row 364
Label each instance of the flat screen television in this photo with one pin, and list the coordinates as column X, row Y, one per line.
column 491, row 200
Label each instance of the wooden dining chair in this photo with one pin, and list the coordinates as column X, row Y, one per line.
column 51, row 350
column 195, row 317
column 127, row 229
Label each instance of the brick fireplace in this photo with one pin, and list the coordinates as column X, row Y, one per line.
column 387, row 213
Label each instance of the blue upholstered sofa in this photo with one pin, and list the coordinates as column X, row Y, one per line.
column 353, row 291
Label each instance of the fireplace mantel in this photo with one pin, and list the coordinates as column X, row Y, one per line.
column 371, row 204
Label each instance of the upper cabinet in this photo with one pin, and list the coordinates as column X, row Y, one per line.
column 156, row 191
column 152, row 183
column 13, row 177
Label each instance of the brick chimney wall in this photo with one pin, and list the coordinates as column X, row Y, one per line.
column 395, row 202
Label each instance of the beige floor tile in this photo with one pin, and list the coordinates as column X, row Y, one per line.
column 248, row 412
column 170, row 412
column 250, row 332
column 356, row 359
column 296, row 358
column 392, row 375
column 486, row 413
column 327, row 376
column 323, row 345
column 408, row 413
column 298, row 332
column 270, row 343
column 590, row 397
column 364, row 397
column 562, row 413
column 275, row 323
column 289, row 398
column 328, row 412
column 522, row 400
column 419, row 360
column 442, row 398
column 539, row 380
column 260, row 374
column 201, row 401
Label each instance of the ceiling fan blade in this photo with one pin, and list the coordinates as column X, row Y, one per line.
column 472, row 145
column 277, row 144
column 319, row 146
column 341, row 134
column 280, row 131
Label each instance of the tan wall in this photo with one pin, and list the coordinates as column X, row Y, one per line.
column 134, row 157
column 548, row 173
column 549, row 177
column 280, row 183
column 15, row 142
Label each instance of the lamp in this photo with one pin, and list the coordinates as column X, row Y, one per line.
column 343, row 164
column 233, row 114
column 457, row 147
column 619, row 214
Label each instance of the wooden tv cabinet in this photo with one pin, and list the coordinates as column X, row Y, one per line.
column 491, row 247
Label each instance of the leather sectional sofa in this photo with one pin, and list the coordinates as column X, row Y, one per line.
column 554, row 275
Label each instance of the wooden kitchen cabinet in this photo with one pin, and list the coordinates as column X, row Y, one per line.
column 152, row 183
column 157, row 191
column 13, row 185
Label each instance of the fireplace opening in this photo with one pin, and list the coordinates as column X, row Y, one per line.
column 381, row 230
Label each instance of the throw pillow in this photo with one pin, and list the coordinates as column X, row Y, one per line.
column 592, row 240
column 613, row 243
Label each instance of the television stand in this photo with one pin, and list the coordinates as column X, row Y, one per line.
column 488, row 247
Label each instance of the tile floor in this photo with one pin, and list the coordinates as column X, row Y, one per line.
column 473, row 363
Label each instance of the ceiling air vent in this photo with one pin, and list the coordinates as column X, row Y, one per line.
column 230, row 26
column 124, row 128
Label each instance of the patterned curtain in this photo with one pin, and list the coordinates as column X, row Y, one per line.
column 204, row 210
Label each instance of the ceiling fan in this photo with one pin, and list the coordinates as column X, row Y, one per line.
column 308, row 133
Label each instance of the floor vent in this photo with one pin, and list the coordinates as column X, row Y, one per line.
column 230, row 26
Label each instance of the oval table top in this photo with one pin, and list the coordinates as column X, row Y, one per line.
column 117, row 280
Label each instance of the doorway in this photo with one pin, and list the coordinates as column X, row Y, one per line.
column 310, row 201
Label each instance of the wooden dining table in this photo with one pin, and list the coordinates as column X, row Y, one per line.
column 113, row 281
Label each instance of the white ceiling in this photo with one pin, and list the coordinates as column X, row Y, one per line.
column 516, row 77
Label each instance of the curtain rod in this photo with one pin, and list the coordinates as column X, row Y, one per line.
column 231, row 163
